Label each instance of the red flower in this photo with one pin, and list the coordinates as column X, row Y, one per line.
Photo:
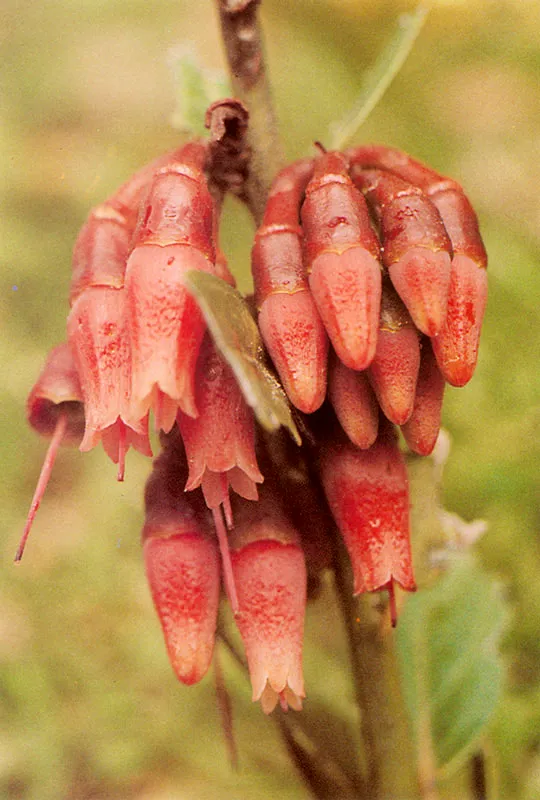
column 182, row 567
column 175, row 234
column 220, row 442
column 54, row 409
column 368, row 494
column 270, row 576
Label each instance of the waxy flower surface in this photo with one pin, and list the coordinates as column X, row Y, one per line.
column 370, row 288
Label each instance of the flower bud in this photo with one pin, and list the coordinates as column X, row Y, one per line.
column 341, row 255
column 354, row 403
column 422, row 427
column 394, row 370
column 415, row 246
column 290, row 324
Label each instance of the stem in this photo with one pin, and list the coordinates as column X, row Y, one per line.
column 324, row 776
column 390, row 759
column 225, row 711
column 242, row 39
column 478, row 776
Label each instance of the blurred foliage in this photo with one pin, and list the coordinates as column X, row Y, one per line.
column 452, row 675
column 90, row 707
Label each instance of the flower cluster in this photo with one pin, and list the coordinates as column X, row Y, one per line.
column 370, row 288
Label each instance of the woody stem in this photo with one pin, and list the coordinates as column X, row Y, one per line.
column 390, row 768
column 242, row 39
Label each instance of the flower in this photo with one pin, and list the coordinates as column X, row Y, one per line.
column 182, row 567
column 270, row 576
column 368, row 494
column 220, row 441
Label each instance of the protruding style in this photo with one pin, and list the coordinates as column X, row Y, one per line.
column 55, row 410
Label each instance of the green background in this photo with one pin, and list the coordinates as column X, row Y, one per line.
column 89, row 705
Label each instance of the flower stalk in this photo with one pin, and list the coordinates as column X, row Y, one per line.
column 242, row 39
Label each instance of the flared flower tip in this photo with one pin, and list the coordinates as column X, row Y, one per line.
column 271, row 583
column 184, row 576
column 220, row 442
column 367, row 491
column 166, row 328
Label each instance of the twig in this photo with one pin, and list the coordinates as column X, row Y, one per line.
column 243, row 46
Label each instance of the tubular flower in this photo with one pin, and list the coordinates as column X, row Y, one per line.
column 270, row 576
column 98, row 335
column 97, row 324
column 182, row 567
column 175, row 234
column 370, row 288
column 220, row 442
column 368, row 494
column 55, row 410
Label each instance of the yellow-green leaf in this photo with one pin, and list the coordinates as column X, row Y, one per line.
column 237, row 337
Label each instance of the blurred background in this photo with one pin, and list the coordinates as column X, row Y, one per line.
column 89, row 705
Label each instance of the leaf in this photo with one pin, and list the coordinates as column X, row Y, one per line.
column 452, row 673
column 238, row 339
column 195, row 88
column 380, row 76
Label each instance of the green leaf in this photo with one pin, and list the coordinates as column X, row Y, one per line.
column 380, row 76
column 195, row 88
column 452, row 674
column 237, row 336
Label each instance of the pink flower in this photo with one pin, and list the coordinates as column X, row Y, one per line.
column 270, row 576
column 220, row 442
column 175, row 234
column 368, row 494
column 182, row 567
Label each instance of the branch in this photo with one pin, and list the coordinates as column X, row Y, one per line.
column 242, row 39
